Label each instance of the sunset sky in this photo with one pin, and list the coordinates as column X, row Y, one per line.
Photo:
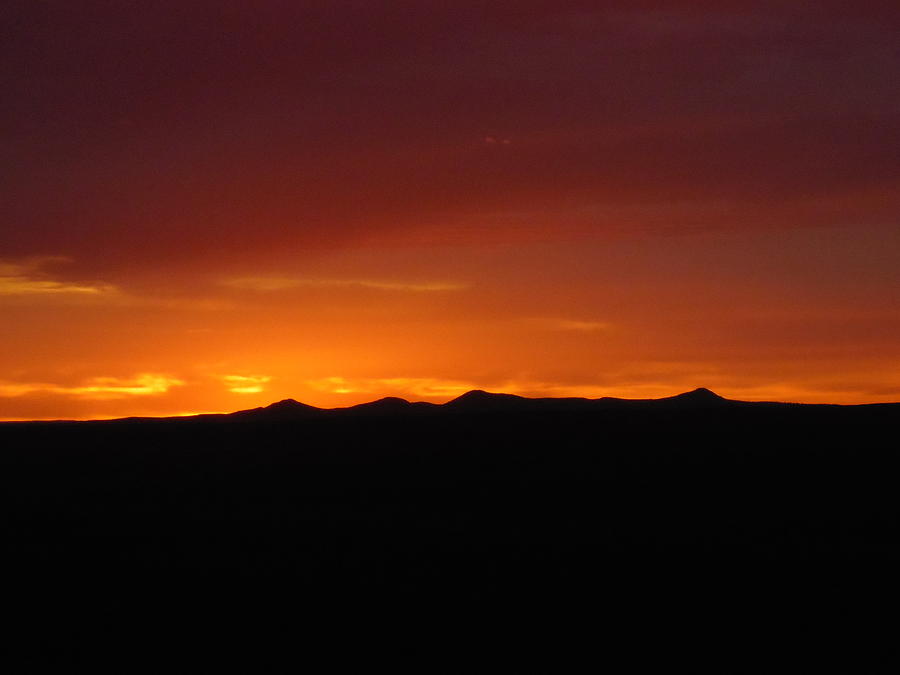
column 210, row 206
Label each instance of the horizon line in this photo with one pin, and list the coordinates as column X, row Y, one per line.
column 190, row 414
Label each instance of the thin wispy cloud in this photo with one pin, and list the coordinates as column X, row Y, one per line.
column 35, row 278
column 424, row 387
column 572, row 325
column 274, row 284
column 245, row 384
column 29, row 277
column 96, row 388
column 417, row 388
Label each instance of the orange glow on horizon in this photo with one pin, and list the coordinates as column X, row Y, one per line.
column 631, row 318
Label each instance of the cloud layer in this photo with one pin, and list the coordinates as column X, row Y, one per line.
column 274, row 284
column 245, row 384
column 29, row 277
column 313, row 126
column 97, row 388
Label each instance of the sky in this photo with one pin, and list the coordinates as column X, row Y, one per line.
column 211, row 206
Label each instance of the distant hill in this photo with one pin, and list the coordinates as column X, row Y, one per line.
column 479, row 401
column 286, row 409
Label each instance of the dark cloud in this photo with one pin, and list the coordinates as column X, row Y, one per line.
column 217, row 128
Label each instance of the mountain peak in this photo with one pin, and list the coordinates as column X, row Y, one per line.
column 478, row 399
column 700, row 397
column 473, row 394
column 386, row 404
column 391, row 400
column 285, row 409
column 701, row 394
column 482, row 395
column 287, row 404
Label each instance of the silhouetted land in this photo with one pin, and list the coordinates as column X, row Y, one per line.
column 490, row 505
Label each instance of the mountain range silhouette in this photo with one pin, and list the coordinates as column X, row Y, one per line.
column 493, row 504
column 480, row 401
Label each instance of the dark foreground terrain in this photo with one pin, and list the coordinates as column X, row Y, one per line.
column 668, row 530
